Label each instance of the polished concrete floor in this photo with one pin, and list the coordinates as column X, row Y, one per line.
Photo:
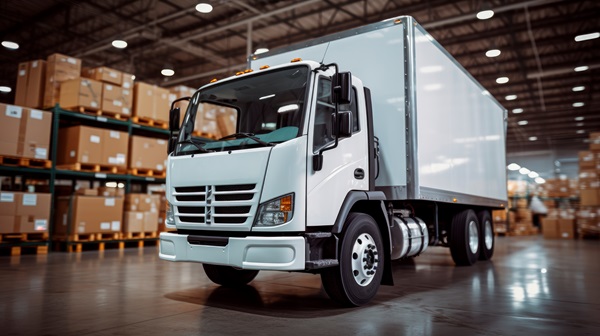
column 532, row 287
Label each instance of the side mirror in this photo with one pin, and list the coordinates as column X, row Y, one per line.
column 318, row 161
column 174, row 121
column 345, row 124
column 342, row 88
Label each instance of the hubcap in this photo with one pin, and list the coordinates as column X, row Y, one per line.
column 473, row 237
column 365, row 259
column 489, row 235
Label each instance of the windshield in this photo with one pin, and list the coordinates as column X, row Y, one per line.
column 252, row 111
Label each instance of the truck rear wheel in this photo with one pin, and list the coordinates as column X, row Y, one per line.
column 356, row 279
column 228, row 276
column 486, row 235
column 464, row 238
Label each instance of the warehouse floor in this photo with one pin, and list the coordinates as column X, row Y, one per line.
column 533, row 287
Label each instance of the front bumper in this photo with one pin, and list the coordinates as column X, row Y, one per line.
column 253, row 253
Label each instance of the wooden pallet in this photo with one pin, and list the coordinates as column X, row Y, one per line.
column 18, row 250
column 101, row 113
column 150, row 122
column 23, row 237
column 25, row 162
column 101, row 245
column 139, row 235
column 148, row 172
column 205, row 135
column 94, row 168
column 89, row 237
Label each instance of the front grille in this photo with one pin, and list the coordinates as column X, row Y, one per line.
column 213, row 205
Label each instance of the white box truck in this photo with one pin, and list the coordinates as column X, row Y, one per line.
column 350, row 151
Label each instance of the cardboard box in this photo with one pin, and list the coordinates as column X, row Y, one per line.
column 10, row 121
column 34, row 134
column 106, row 75
column 226, row 120
column 59, row 69
column 81, row 92
column 33, row 212
column 151, row 102
column 180, row 91
column 30, row 84
column 589, row 197
column 133, row 221
column 111, row 192
column 21, row 88
column 586, row 160
column 80, row 144
column 150, row 221
column 89, row 214
column 115, row 147
column 550, row 228
column 595, row 141
column 142, row 202
column 8, row 203
column 113, row 100
column 127, row 81
column 566, row 228
column 8, row 224
column 147, row 153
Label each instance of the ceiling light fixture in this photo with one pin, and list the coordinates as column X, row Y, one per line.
column 511, row 97
column 581, row 68
column 485, row 14
column 5, row 89
column 540, row 180
column 578, row 104
column 493, row 53
column 533, row 138
column 502, row 80
column 522, row 122
column 10, row 45
column 517, row 110
column 119, row 44
column 204, row 8
column 585, row 37
column 167, row 71
column 524, row 171
column 579, row 118
column 533, row 174
column 578, row 88
column 580, row 131
column 513, row 166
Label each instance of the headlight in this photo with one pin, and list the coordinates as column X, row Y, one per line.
column 170, row 220
column 275, row 212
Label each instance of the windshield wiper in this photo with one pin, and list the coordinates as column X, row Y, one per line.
column 249, row 136
column 197, row 144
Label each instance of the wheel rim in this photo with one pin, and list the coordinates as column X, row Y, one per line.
column 489, row 235
column 473, row 237
column 364, row 259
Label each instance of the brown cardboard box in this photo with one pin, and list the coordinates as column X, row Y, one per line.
column 586, row 159
column 113, row 100
column 133, row 221
column 595, row 141
column 59, row 68
column 90, row 214
column 8, row 224
column 80, row 144
column 226, row 120
column 8, row 203
column 550, row 228
column 87, row 192
column 106, row 75
column 35, row 84
column 589, row 179
column 10, row 121
column 589, row 197
column 127, row 81
column 142, row 202
column 21, row 88
column 111, row 192
column 147, row 153
column 566, row 228
column 82, row 92
column 34, row 134
column 180, row 91
column 150, row 221
column 151, row 102
column 115, row 146
column 33, row 212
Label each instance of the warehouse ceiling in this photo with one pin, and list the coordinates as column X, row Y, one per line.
column 536, row 40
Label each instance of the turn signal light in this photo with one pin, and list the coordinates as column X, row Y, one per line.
column 264, row 67
column 213, row 80
column 298, row 59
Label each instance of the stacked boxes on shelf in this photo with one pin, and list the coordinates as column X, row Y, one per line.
column 25, row 132
column 59, row 69
column 94, row 146
column 141, row 213
column 87, row 213
column 30, row 84
column 151, row 103
column 116, row 90
column 24, row 212
column 147, row 154
column 588, row 215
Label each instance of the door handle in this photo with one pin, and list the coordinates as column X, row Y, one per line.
column 359, row 173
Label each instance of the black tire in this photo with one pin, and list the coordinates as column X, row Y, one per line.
column 228, row 276
column 464, row 235
column 486, row 235
column 356, row 279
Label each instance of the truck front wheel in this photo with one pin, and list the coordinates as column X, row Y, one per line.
column 464, row 238
column 356, row 279
column 228, row 276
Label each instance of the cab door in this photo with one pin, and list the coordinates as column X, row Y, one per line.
column 345, row 167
